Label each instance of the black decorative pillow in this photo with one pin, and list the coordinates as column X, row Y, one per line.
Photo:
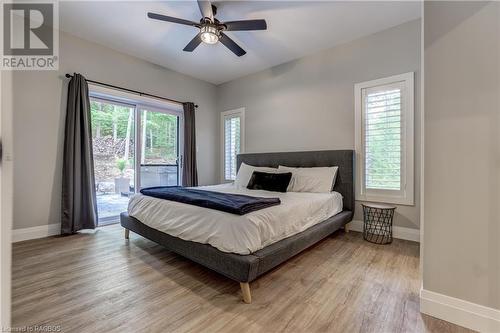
column 276, row 182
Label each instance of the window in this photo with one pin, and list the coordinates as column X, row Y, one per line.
column 384, row 139
column 233, row 129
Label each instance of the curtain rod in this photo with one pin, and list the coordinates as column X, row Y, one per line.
column 131, row 91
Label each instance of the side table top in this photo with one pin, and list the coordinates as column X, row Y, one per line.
column 378, row 205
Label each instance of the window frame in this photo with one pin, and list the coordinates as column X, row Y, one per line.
column 230, row 113
column 405, row 196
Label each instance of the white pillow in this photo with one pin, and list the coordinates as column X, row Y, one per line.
column 245, row 173
column 318, row 180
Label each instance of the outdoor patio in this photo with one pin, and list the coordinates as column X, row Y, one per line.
column 110, row 205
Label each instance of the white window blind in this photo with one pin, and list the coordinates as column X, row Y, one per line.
column 384, row 139
column 232, row 144
column 232, row 125
column 382, row 133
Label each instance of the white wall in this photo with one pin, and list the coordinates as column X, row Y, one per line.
column 302, row 105
column 39, row 102
column 308, row 104
column 461, row 255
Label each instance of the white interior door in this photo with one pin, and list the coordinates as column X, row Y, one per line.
column 6, row 197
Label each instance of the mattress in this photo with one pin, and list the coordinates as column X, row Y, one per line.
column 232, row 233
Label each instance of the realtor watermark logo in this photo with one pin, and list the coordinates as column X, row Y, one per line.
column 29, row 35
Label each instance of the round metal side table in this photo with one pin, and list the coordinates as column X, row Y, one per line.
column 377, row 226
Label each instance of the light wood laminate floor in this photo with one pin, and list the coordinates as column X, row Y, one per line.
column 102, row 283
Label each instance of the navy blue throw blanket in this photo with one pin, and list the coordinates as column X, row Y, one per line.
column 230, row 203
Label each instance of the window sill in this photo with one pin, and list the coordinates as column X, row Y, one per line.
column 386, row 199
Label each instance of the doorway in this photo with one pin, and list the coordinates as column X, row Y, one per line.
column 134, row 146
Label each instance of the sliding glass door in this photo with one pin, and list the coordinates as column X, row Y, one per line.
column 159, row 151
column 134, row 146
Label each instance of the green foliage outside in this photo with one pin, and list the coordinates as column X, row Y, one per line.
column 159, row 132
column 121, row 164
column 160, row 138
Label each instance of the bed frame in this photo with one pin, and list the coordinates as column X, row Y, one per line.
column 246, row 268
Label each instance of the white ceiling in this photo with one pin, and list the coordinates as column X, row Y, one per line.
column 294, row 30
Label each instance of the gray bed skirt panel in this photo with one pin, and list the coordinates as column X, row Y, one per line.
column 241, row 268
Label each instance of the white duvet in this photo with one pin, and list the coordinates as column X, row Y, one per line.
column 234, row 233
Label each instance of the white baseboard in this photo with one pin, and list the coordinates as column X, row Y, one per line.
column 473, row 316
column 397, row 232
column 19, row 235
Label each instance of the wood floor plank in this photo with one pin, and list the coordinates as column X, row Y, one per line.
column 100, row 282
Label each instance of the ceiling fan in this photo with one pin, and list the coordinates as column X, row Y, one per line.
column 211, row 30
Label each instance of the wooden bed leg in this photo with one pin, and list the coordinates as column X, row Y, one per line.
column 245, row 290
column 127, row 233
column 346, row 228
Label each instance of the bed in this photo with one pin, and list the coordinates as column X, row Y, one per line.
column 244, row 261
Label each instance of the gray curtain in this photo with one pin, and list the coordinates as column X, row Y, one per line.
column 189, row 173
column 79, row 209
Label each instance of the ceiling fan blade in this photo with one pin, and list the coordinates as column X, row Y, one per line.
column 193, row 43
column 206, row 9
column 172, row 19
column 246, row 25
column 230, row 44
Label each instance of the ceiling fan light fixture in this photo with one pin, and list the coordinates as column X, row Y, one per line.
column 211, row 29
column 209, row 34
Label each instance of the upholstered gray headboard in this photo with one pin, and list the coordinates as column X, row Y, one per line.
column 344, row 159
